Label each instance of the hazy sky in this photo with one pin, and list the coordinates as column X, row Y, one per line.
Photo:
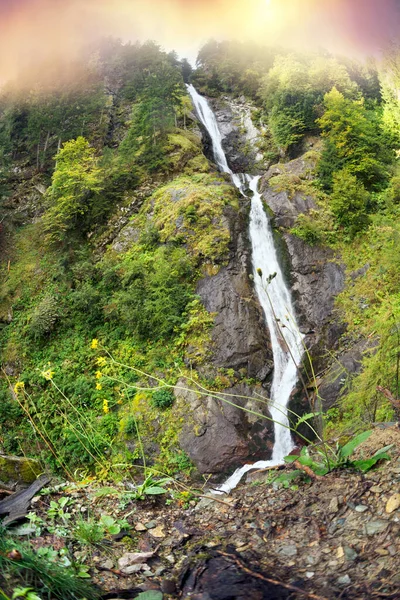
column 44, row 28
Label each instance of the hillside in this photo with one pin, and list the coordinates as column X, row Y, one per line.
column 133, row 343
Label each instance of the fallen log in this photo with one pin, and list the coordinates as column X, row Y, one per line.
column 17, row 505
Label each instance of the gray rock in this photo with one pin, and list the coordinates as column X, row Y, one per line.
column 218, row 436
column 374, row 527
column 338, row 377
column 289, row 550
column 240, row 337
column 345, row 580
column 349, row 553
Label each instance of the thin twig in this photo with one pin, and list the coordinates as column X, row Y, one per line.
column 288, row 586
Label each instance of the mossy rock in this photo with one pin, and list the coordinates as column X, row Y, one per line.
column 20, row 469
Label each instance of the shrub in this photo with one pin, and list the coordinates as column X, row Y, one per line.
column 162, row 399
column 44, row 317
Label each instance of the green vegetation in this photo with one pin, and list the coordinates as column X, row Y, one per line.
column 112, row 214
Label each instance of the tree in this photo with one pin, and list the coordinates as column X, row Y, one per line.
column 75, row 182
column 348, row 202
column 355, row 140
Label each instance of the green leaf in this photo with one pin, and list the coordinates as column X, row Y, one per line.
column 107, row 521
column 291, row 458
column 114, row 529
column 154, row 491
column 383, row 450
column 306, row 417
column 348, row 449
column 367, row 464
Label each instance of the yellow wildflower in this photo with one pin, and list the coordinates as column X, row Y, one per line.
column 94, row 344
column 98, row 386
column 47, row 374
column 99, row 374
column 19, row 386
column 106, row 408
column 101, row 361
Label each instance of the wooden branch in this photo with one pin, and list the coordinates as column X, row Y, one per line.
column 287, row 586
column 307, row 470
column 17, row 505
column 389, row 396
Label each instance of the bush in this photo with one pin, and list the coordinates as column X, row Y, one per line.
column 44, row 317
column 162, row 399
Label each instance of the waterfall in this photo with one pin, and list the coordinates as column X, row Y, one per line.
column 274, row 297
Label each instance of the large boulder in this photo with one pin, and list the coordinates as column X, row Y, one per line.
column 219, row 432
column 16, row 469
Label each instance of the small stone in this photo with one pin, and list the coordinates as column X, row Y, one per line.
column 159, row 571
column 242, row 548
column 393, row 503
column 157, row 532
column 326, row 550
column 310, row 574
column 151, row 525
column 333, row 505
column 289, row 550
column 333, row 563
column 108, row 564
column 361, row 508
column 35, row 499
column 133, row 558
column 134, row 569
column 340, row 552
column 148, row 573
column 376, row 489
column 392, row 550
column 141, row 527
column 170, row 558
column 374, row 527
column 349, row 553
column 382, row 552
column 345, row 580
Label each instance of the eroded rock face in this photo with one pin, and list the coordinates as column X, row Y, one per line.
column 240, row 337
column 238, row 134
column 315, row 275
column 219, row 436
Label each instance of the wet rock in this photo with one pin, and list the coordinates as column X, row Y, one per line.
column 238, row 134
column 338, row 377
column 240, row 337
column 218, row 436
column 345, row 580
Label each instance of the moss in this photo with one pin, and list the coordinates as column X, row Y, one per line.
column 190, row 209
column 185, row 152
column 23, row 470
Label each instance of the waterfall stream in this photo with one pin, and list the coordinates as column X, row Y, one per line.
column 274, row 297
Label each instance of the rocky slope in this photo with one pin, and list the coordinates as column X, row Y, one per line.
column 332, row 537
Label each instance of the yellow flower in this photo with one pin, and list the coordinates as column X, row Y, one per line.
column 94, row 344
column 106, row 409
column 19, row 386
column 47, row 374
column 99, row 374
column 101, row 361
column 98, row 386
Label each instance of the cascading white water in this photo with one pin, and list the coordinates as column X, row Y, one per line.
column 274, row 297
